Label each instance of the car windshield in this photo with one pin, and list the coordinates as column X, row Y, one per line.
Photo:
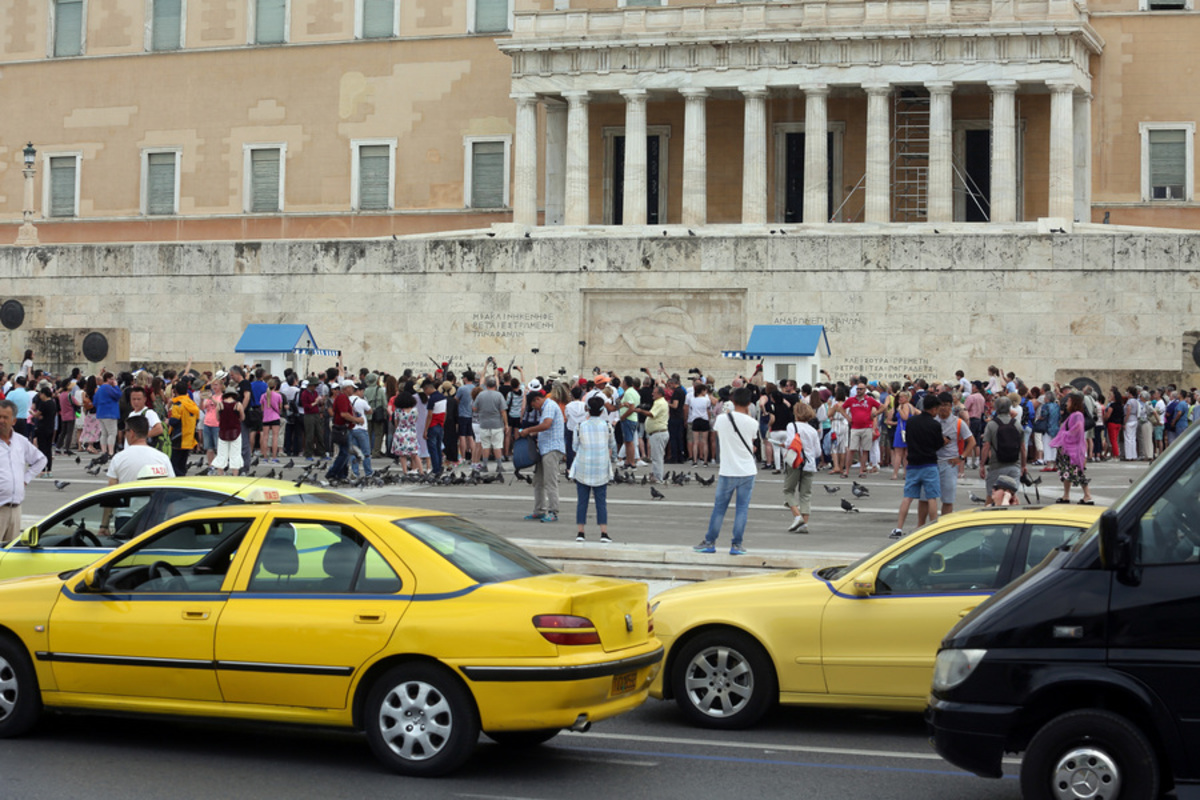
column 834, row 573
column 480, row 554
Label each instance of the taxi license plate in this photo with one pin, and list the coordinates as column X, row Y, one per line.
column 623, row 683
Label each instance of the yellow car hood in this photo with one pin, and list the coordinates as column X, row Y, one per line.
column 745, row 585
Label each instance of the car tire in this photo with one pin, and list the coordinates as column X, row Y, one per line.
column 521, row 739
column 723, row 679
column 420, row 720
column 20, row 697
column 1098, row 747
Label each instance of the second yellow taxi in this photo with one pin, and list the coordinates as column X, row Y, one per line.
column 863, row 635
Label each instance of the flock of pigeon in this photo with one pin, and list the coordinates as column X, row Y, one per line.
column 856, row 489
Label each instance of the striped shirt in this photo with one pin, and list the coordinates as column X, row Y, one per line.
column 552, row 438
column 593, row 443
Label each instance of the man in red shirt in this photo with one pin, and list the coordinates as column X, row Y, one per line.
column 863, row 409
column 343, row 419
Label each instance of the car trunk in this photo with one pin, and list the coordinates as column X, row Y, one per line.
column 617, row 608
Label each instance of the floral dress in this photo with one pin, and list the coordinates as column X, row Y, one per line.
column 404, row 440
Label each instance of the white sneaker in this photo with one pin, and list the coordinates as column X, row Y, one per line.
column 896, row 533
column 641, row 463
column 796, row 525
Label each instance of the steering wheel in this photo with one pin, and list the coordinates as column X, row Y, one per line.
column 82, row 536
column 159, row 567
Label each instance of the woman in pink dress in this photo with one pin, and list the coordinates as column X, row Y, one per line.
column 1071, row 442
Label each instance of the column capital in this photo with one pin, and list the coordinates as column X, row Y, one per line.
column 814, row 89
column 524, row 98
column 634, row 95
column 1062, row 86
column 694, row 93
column 753, row 91
column 940, row 87
column 877, row 88
column 576, row 96
column 999, row 87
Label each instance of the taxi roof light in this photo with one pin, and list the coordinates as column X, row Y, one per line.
column 261, row 495
column 152, row 471
column 566, row 629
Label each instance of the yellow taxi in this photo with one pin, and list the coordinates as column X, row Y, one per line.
column 864, row 635
column 417, row 627
column 90, row 526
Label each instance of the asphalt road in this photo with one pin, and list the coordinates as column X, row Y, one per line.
column 647, row 753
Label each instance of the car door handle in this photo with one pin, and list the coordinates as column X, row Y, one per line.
column 195, row 615
column 965, row 611
column 369, row 619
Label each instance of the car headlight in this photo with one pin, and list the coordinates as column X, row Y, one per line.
column 955, row 666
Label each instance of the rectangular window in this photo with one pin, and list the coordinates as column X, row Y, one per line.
column 166, row 26
column 378, row 19
column 266, row 180
column 68, row 27
column 161, row 183
column 1167, row 160
column 1165, row 5
column 632, row 3
column 63, row 200
column 491, row 16
column 489, row 173
column 270, row 21
column 372, row 175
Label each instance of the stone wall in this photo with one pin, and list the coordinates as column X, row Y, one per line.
column 1103, row 303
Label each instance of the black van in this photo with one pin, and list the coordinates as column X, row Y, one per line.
column 1090, row 662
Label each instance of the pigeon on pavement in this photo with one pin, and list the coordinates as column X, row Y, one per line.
column 831, row 489
column 848, row 506
column 656, row 494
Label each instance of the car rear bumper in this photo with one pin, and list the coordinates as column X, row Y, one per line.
column 971, row 735
column 524, row 697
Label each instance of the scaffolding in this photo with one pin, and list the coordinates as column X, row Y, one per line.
column 910, row 162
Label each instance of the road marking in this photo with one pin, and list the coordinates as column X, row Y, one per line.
column 628, row 762
column 787, row 748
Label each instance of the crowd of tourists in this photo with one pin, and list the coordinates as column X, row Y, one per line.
column 589, row 427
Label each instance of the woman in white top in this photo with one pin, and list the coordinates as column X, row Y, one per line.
column 699, row 422
column 798, row 480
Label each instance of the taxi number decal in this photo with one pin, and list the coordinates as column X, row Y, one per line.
column 626, row 682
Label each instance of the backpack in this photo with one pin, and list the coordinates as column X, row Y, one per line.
column 1009, row 441
column 795, row 450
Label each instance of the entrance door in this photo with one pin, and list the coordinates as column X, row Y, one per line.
column 793, row 208
column 977, row 175
column 653, row 179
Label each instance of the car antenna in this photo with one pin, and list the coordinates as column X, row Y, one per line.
column 239, row 491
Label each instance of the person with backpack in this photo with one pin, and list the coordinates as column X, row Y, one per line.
column 801, row 450
column 1003, row 447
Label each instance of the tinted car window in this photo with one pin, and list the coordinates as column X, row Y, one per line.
column 306, row 557
column 478, row 553
column 1043, row 539
column 964, row 559
column 117, row 509
column 1170, row 529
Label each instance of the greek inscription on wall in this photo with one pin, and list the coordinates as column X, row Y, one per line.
column 885, row 368
column 834, row 323
column 501, row 323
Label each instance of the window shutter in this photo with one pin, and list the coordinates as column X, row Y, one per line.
column 264, row 180
column 1168, row 164
column 374, row 170
column 166, row 25
column 269, row 21
column 487, row 174
column 379, row 17
column 68, row 27
column 62, row 186
column 491, row 16
column 160, row 183
column 632, row 3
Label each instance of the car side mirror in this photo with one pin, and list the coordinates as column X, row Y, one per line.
column 1118, row 551
column 92, row 580
column 863, row 585
column 31, row 537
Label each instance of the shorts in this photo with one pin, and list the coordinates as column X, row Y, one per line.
column 861, row 438
column 491, row 438
column 514, row 422
column 272, row 424
column 922, row 482
column 948, row 477
column 210, row 437
column 477, row 430
column 629, row 430
column 700, row 425
column 465, row 431
column 1158, row 432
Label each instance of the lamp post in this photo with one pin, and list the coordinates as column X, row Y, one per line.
column 27, row 236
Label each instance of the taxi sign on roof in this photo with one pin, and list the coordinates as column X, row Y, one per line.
column 153, row 471
column 264, row 496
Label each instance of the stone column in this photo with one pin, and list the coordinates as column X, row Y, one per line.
column 525, row 160
column 1062, row 149
column 695, row 156
column 940, row 190
column 1004, row 151
column 754, row 156
column 879, row 154
column 556, row 163
column 816, row 153
column 1083, row 157
column 634, row 200
column 576, row 184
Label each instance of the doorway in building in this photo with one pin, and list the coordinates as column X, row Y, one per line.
column 614, row 176
column 793, row 209
column 975, row 181
column 789, row 170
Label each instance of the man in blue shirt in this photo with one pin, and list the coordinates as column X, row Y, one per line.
column 21, row 397
column 108, row 409
column 552, row 447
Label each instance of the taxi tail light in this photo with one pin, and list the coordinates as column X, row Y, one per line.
column 566, row 629
column 649, row 619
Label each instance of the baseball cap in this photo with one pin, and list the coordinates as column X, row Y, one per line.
column 1006, row 482
column 347, row 384
column 601, row 380
column 303, row 384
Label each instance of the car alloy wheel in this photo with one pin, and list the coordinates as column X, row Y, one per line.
column 421, row 720
column 10, row 690
column 1090, row 755
column 723, row 679
column 20, row 698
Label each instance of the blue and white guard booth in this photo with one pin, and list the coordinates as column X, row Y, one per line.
column 786, row 351
column 279, row 346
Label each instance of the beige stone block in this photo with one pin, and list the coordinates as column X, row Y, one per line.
column 1162, row 252
column 1129, row 252
column 1066, row 252
column 905, row 253
column 1033, row 252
